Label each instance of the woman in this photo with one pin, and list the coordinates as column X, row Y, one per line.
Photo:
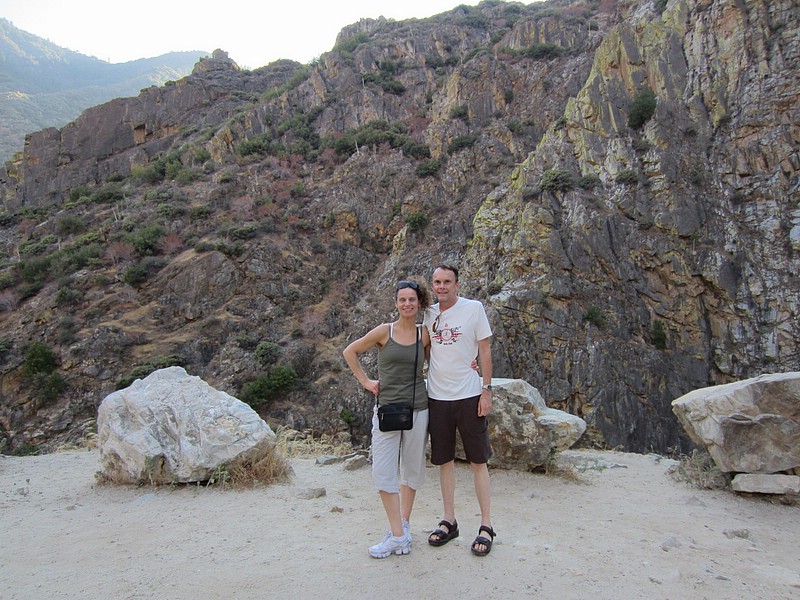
column 400, row 345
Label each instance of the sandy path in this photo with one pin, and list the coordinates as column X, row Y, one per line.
column 628, row 532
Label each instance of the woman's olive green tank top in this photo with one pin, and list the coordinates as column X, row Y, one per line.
column 396, row 373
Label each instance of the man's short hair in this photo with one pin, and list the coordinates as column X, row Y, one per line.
column 448, row 268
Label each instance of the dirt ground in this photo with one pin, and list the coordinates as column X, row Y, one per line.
column 624, row 530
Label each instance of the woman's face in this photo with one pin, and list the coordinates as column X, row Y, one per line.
column 407, row 302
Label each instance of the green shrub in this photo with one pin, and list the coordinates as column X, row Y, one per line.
column 373, row 134
column 198, row 213
column 33, row 247
column 135, row 275
column 39, row 359
column 70, row 225
column 461, row 142
column 26, row 449
column 201, row 155
column 145, row 240
column 627, row 177
column 260, row 144
column 392, row 86
column 235, row 249
column 588, row 182
column 459, row 112
column 170, row 211
column 557, row 180
column 48, row 387
column 259, row 391
column 352, row 43
column 267, row 353
column 659, row 335
column 203, row 246
column 416, row 221
column 147, row 174
column 81, row 191
column 87, row 239
column 429, row 168
column 68, row 296
column 543, row 51
column 185, row 176
column 475, row 19
column 416, row 150
column 29, row 290
column 595, row 316
column 298, row 77
column 642, row 107
column 35, row 270
column 347, row 416
column 283, row 379
column 245, row 232
column 256, row 392
column 75, row 258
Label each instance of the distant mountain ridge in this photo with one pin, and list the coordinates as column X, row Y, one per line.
column 43, row 85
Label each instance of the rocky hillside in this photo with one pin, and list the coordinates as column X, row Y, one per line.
column 618, row 182
column 43, row 85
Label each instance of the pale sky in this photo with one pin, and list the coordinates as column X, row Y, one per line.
column 253, row 32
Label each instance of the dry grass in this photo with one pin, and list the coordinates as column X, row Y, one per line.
column 700, row 470
column 265, row 467
column 272, row 464
column 304, row 444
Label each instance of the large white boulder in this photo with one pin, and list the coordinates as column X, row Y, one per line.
column 171, row 427
column 749, row 426
column 523, row 430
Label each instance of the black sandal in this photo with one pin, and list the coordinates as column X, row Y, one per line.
column 440, row 537
column 483, row 541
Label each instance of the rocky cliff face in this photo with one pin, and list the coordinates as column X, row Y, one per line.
column 629, row 247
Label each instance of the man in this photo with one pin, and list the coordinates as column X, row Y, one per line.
column 459, row 399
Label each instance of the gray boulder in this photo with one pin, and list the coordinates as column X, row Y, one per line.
column 761, row 483
column 171, row 427
column 749, row 426
column 523, row 430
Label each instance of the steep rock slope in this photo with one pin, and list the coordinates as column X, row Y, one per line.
column 624, row 262
column 44, row 85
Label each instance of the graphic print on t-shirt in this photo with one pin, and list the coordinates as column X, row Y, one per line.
column 447, row 336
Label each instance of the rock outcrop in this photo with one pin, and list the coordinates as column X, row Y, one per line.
column 524, row 432
column 750, row 426
column 171, row 427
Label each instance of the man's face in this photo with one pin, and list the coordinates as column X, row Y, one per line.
column 445, row 287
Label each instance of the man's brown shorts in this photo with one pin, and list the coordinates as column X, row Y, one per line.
column 445, row 416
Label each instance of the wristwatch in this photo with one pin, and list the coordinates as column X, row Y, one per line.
column 488, row 386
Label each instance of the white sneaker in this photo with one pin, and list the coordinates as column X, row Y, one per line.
column 391, row 545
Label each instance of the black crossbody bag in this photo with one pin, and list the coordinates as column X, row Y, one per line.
column 400, row 417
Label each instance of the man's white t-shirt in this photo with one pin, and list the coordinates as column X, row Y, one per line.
column 454, row 345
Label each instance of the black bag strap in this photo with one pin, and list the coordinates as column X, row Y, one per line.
column 416, row 359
